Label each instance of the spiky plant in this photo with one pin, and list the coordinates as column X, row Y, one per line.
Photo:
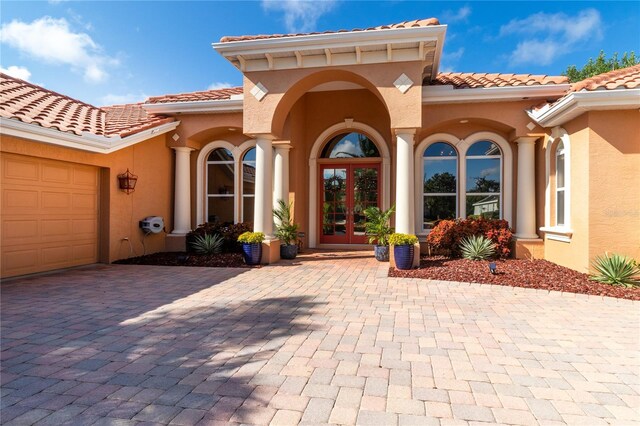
column 616, row 269
column 286, row 230
column 207, row 244
column 477, row 247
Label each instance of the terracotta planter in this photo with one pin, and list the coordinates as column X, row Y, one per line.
column 403, row 256
column 252, row 253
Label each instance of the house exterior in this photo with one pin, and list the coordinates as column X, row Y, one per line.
column 333, row 122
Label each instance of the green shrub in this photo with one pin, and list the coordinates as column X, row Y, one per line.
column 207, row 244
column 251, row 238
column 286, row 230
column 448, row 234
column 378, row 227
column 477, row 247
column 616, row 269
column 402, row 239
column 229, row 232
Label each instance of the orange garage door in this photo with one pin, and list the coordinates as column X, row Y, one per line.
column 49, row 214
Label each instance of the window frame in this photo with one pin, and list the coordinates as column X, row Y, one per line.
column 209, row 194
column 559, row 151
column 455, row 158
column 485, row 194
column 552, row 230
column 242, row 193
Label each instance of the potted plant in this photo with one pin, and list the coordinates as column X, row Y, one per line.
column 403, row 247
column 286, row 231
column 378, row 229
column 251, row 247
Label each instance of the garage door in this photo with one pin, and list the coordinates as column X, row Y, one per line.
column 49, row 214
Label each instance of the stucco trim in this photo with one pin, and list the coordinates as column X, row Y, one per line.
column 86, row 142
column 448, row 94
column 577, row 103
column 557, row 233
column 377, row 138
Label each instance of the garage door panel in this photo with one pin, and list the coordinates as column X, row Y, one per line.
column 85, row 201
column 14, row 169
column 18, row 200
column 19, row 231
column 85, row 176
column 57, row 174
column 55, row 200
column 49, row 214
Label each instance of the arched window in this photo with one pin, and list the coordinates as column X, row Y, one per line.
column 439, row 183
column 350, row 145
column 484, row 180
column 248, row 184
column 560, row 185
column 220, row 178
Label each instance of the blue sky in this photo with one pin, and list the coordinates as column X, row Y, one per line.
column 116, row 52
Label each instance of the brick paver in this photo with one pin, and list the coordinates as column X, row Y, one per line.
column 327, row 338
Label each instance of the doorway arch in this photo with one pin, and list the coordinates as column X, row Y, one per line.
column 316, row 150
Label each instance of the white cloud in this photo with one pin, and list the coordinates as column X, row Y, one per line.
column 219, row 85
column 53, row 41
column 129, row 98
column 300, row 15
column 460, row 15
column 552, row 35
column 489, row 171
column 18, row 72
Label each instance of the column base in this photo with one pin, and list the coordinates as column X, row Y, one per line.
column 270, row 251
column 529, row 248
column 175, row 242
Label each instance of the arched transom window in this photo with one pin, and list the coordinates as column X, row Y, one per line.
column 350, row 145
column 440, row 183
column 484, row 180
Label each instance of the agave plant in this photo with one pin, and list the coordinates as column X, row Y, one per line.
column 477, row 247
column 616, row 269
column 207, row 244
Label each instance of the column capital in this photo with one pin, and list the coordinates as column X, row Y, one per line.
column 183, row 148
column 405, row 131
column 285, row 146
column 261, row 136
column 526, row 140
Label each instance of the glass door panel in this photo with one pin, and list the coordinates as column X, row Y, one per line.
column 346, row 191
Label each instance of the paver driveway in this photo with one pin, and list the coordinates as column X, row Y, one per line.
column 324, row 339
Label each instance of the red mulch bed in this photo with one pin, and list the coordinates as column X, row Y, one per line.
column 539, row 274
column 222, row 260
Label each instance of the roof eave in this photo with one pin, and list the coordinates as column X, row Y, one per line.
column 577, row 103
column 87, row 142
column 448, row 94
column 196, row 107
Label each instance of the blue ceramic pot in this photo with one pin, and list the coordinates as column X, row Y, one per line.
column 381, row 253
column 252, row 253
column 403, row 256
column 288, row 251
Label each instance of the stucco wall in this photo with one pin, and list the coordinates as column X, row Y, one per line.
column 614, row 182
column 151, row 160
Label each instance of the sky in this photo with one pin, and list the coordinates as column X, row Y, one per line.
column 106, row 53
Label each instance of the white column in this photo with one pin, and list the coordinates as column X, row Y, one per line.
column 281, row 174
column 404, row 181
column 182, row 198
column 262, row 213
column 526, row 190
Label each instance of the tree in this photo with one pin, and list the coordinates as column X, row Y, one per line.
column 600, row 65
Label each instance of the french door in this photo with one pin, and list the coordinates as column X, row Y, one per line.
column 346, row 190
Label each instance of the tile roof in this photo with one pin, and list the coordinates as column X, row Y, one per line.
column 624, row 78
column 406, row 24
column 205, row 95
column 29, row 103
column 461, row 80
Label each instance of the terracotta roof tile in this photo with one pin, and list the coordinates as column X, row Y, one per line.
column 205, row 95
column 624, row 78
column 406, row 24
column 29, row 103
column 461, row 80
